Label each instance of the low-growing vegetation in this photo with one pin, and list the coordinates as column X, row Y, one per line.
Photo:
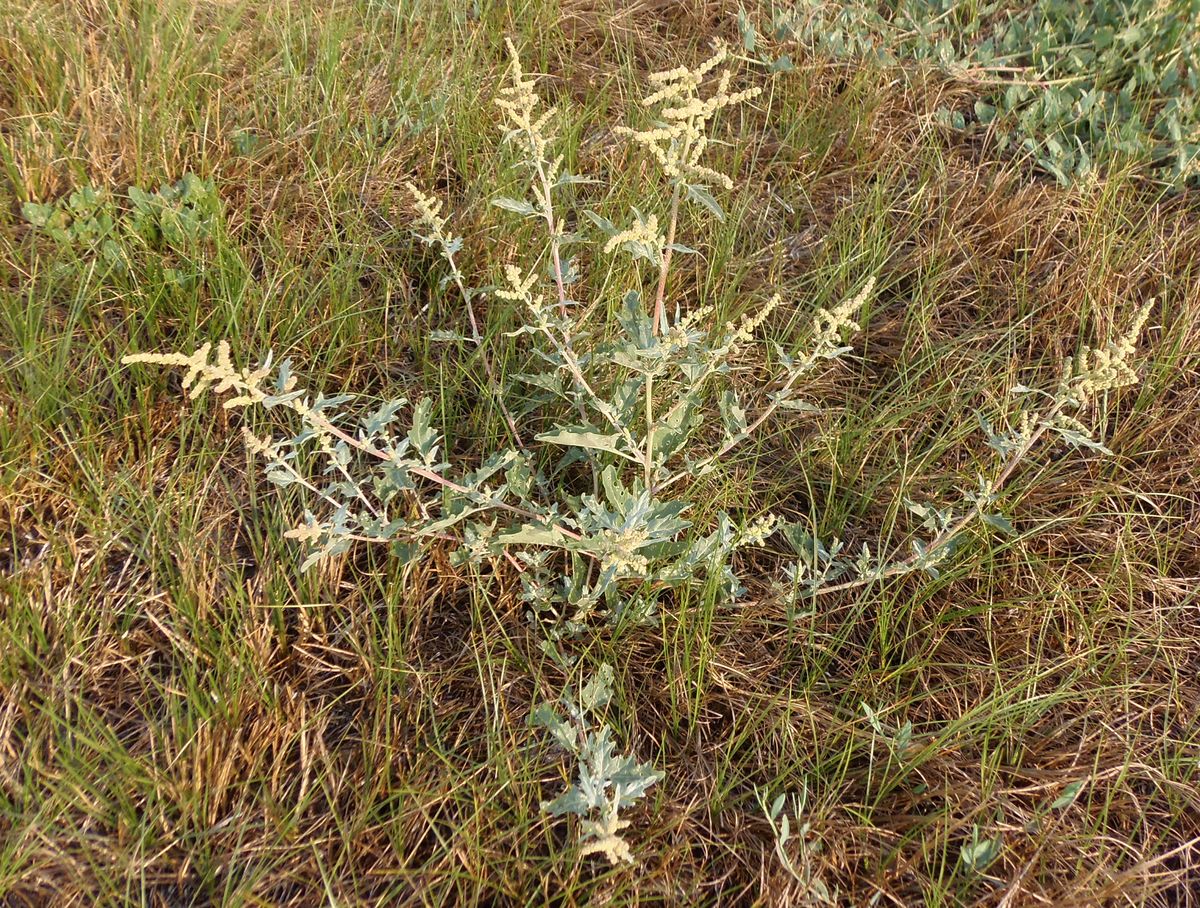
column 621, row 455
column 1077, row 87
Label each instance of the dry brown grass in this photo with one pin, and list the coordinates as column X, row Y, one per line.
column 184, row 720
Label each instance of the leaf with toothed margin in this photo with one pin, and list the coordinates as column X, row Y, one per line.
column 598, row 691
column 749, row 33
column 570, row 179
column 381, row 418
column 732, row 414
column 545, row 716
column 422, row 434
column 635, row 322
column 701, row 196
column 1079, row 440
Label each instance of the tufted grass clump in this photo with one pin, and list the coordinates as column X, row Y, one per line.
column 590, row 506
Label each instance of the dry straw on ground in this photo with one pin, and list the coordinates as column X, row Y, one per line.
column 186, row 721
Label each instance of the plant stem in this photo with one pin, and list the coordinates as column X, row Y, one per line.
column 561, row 286
column 750, row 429
column 660, row 296
column 326, row 426
column 944, row 537
column 475, row 334
column 483, row 354
column 649, row 428
column 552, row 226
column 568, row 355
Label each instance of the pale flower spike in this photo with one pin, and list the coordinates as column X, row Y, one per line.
column 430, row 220
column 679, row 140
column 222, row 374
column 759, row 530
column 1099, row 369
column 643, row 238
column 519, row 287
column 828, row 324
column 429, row 215
column 605, row 837
column 750, row 323
column 519, row 102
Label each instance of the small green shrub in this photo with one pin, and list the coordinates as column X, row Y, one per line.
column 1075, row 85
column 84, row 218
column 175, row 221
column 594, row 513
column 606, row 782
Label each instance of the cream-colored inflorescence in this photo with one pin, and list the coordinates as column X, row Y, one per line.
column 679, row 141
column 743, row 333
column 759, row 530
column 1026, row 427
column 645, row 233
column 828, row 324
column 1099, row 369
column 429, row 215
column 309, row 532
column 221, row 374
column 519, row 103
column 678, row 336
column 263, row 447
column 519, row 288
column 602, row 836
column 620, row 551
column 249, row 387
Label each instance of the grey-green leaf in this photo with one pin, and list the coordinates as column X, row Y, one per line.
column 701, row 196
column 422, row 435
column 598, row 691
column 520, row 206
column 978, row 853
column 532, row 534
column 581, row 438
column 1068, row 796
column 999, row 522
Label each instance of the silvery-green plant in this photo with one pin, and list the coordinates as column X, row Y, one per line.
column 173, row 222
column 626, row 406
column 1036, row 417
column 1074, row 85
column 606, row 782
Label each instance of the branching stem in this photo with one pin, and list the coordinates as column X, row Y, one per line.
column 943, row 538
column 649, row 429
column 552, row 227
column 325, row 425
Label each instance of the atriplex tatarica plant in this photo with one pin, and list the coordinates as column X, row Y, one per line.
column 636, row 399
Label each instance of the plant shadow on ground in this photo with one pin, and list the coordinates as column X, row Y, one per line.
column 187, row 720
